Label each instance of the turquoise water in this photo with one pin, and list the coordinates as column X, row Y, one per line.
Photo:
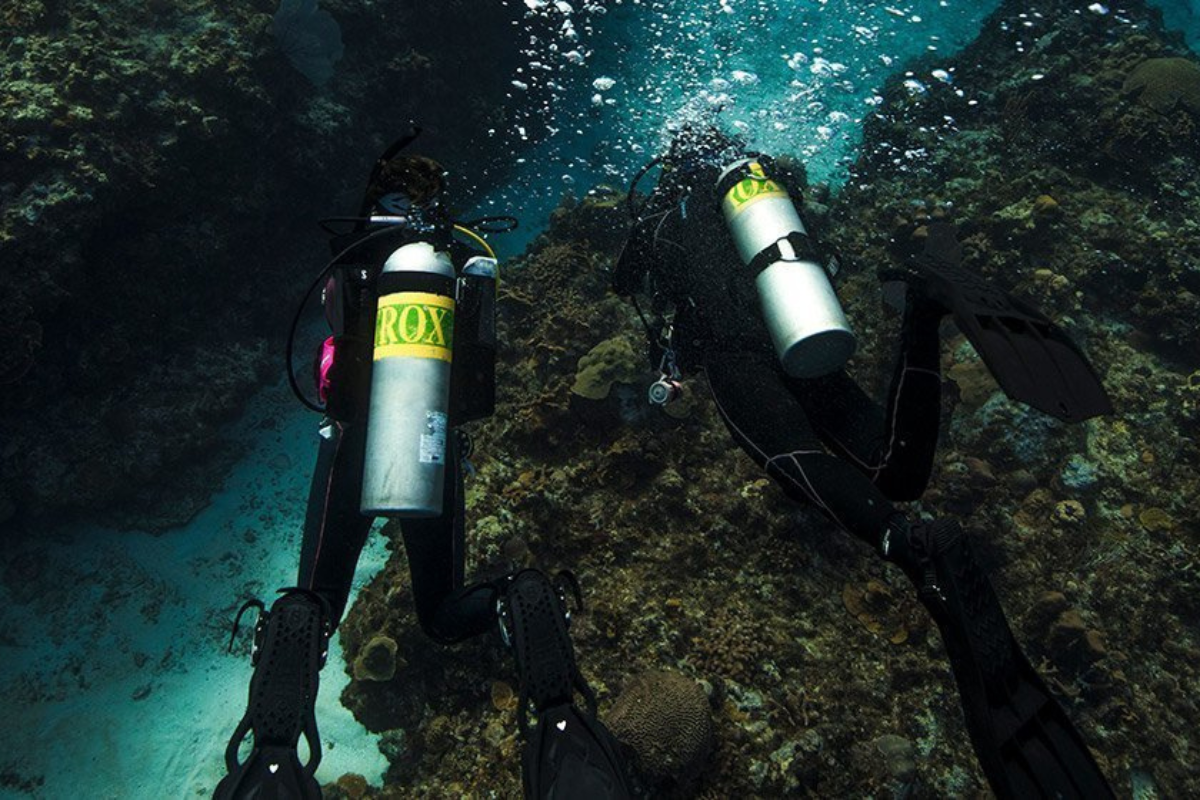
column 793, row 78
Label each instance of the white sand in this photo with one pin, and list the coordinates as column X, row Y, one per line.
column 122, row 613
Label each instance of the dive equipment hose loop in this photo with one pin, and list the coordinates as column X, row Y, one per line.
column 321, row 276
column 637, row 178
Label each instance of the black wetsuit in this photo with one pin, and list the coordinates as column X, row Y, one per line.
column 335, row 530
column 824, row 440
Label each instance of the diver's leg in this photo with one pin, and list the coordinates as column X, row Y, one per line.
column 893, row 445
column 447, row 610
column 768, row 421
column 914, row 406
column 291, row 640
column 1024, row 740
column 568, row 752
column 334, row 528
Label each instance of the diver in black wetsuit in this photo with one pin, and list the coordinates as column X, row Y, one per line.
column 738, row 291
column 393, row 268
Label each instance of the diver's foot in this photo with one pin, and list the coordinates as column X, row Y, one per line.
column 290, row 646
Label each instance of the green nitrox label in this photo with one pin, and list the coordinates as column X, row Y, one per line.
column 414, row 325
column 755, row 186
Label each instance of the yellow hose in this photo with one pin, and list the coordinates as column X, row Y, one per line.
column 487, row 248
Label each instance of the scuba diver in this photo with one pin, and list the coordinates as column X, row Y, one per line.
column 411, row 359
column 738, row 290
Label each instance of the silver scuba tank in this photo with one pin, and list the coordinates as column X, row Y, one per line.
column 811, row 334
column 407, row 425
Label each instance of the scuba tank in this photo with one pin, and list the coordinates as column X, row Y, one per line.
column 474, row 373
column 811, row 334
column 405, row 464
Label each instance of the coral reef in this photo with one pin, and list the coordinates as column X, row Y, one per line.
column 377, row 660
column 825, row 678
column 612, row 361
column 1164, row 83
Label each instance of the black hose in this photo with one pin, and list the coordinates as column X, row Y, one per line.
column 291, row 339
column 641, row 173
column 482, row 224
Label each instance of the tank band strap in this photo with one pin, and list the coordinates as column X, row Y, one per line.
column 734, row 177
column 796, row 246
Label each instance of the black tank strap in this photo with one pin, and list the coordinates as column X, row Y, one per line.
column 796, row 247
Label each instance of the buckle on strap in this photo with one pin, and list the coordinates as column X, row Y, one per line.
column 921, row 545
column 796, row 246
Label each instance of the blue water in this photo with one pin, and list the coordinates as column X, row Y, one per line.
column 795, row 78
column 117, row 678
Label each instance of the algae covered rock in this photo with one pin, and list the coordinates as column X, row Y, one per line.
column 1164, row 83
column 611, row 361
column 664, row 716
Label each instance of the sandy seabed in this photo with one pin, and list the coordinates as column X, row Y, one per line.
column 115, row 674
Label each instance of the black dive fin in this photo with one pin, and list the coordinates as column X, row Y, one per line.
column 271, row 773
column 1032, row 359
column 1025, row 742
column 570, row 755
column 290, row 646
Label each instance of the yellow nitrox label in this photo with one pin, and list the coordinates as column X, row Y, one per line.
column 754, row 187
column 414, row 325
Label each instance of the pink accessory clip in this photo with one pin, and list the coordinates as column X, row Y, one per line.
column 328, row 352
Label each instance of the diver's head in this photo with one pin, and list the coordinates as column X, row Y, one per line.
column 405, row 182
column 698, row 144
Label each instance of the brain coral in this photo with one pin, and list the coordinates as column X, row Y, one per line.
column 664, row 716
column 1163, row 83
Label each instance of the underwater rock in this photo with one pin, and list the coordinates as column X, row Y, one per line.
column 665, row 717
column 1069, row 512
column 1165, row 83
column 733, row 646
column 1046, row 207
column 136, row 188
column 1155, row 519
column 975, row 384
column 377, row 661
column 600, row 220
column 349, row 786
column 1073, row 643
column 503, row 696
column 8, row 508
column 1079, row 474
column 1064, row 634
